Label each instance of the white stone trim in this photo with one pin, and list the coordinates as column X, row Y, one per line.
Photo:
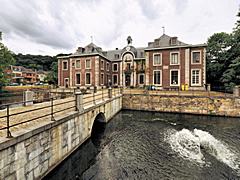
column 170, row 57
column 160, row 59
column 178, row 84
column 200, row 77
column 187, row 59
column 200, row 60
column 160, row 78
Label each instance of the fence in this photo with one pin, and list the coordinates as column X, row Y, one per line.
column 14, row 117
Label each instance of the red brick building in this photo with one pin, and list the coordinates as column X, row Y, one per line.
column 164, row 63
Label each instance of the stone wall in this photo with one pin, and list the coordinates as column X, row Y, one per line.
column 183, row 104
column 33, row 154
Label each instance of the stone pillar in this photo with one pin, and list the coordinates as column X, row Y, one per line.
column 121, row 73
column 236, row 91
column 28, row 98
column 79, row 101
column 187, row 61
column 110, row 92
column 147, row 69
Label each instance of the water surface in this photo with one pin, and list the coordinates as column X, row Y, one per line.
column 145, row 145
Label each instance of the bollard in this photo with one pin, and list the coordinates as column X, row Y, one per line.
column 236, row 91
column 28, row 98
column 110, row 92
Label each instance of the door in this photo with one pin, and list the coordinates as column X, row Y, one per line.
column 128, row 79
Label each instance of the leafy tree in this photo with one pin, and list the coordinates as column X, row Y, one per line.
column 52, row 77
column 223, row 58
column 217, row 57
column 6, row 59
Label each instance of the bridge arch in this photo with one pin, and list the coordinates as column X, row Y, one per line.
column 98, row 129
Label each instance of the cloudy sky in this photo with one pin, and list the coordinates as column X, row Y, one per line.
column 60, row 26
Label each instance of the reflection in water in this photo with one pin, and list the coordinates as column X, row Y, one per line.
column 141, row 145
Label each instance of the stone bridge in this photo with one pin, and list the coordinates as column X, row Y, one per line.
column 33, row 154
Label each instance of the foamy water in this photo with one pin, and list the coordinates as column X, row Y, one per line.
column 189, row 144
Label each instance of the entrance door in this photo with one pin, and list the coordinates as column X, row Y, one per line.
column 128, row 79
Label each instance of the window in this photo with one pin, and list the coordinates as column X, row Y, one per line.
column 88, row 64
column 174, row 58
column 174, row 77
column 115, row 67
column 195, row 76
column 141, row 78
column 107, row 66
column 102, row 64
column 88, row 78
column 78, row 64
column 157, row 77
column 116, row 56
column 115, row 79
column 65, row 65
column 78, row 79
column 128, row 66
column 196, row 57
column 157, row 59
column 102, row 79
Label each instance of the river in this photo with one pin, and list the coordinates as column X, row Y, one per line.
column 146, row 145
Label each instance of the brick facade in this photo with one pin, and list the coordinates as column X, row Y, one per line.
column 162, row 64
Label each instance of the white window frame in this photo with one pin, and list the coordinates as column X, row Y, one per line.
column 160, row 77
column 160, row 59
column 178, row 77
column 113, row 79
column 174, row 52
column 200, row 77
column 102, row 63
column 102, row 75
column 108, row 65
column 76, row 79
column 86, row 64
column 63, row 65
column 143, row 78
column 200, row 60
column 76, row 64
column 86, row 78
column 113, row 67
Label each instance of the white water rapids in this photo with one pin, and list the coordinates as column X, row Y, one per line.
column 189, row 144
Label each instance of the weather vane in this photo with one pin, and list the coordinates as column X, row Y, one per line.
column 163, row 29
column 91, row 39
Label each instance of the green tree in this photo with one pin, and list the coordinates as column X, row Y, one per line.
column 6, row 59
column 231, row 76
column 52, row 77
column 218, row 57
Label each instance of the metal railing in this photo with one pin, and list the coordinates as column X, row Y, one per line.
column 52, row 108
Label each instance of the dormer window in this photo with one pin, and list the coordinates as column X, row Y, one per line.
column 117, row 56
column 173, row 41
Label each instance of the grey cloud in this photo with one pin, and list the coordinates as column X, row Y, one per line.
column 148, row 9
column 25, row 19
